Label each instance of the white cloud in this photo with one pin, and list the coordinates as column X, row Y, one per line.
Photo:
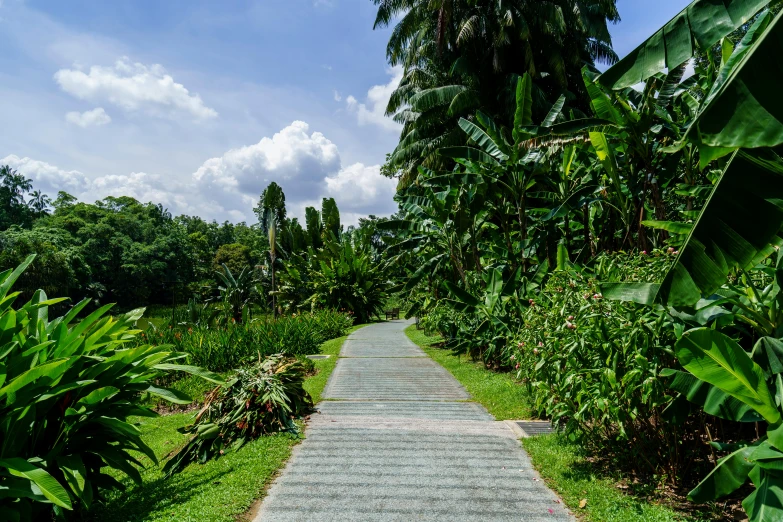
column 294, row 158
column 337, row 96
column 362, row 190
column 48, row 178
column 305, row 164
column 134, row 87
column 372, row 111
column 96, row 117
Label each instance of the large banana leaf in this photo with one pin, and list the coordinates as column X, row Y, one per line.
column 523, row 116
column 711, row 399
column 766, row 501
column 700, row 25
column 482, row 139
column 730, row 473
column 744, row 108
column 716, row 359
column 742, row 217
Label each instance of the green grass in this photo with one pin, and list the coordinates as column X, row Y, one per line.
column 220, row 490
column 560, row 462
column 500, row 393
column 562, row 465
column 315, row 384
column 213, row 492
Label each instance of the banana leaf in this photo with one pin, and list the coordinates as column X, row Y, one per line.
column 740, row 221
column 717, row 359
column 700, row 25
column 744, row 109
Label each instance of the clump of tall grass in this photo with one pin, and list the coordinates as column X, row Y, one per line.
column 228, row 345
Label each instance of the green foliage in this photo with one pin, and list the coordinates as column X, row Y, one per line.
column 592, row 365
column 235, row 256
column 348, row 279
column 259, row 400
column 331, row 219
column 701, row 23
column 67, row 389
column 228, row 345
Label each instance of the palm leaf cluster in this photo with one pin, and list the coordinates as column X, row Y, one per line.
column 459, row 56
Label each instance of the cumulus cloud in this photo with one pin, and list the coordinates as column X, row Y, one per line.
column 134, row 87
column 362, row 189
column 372, row 110
column 95, row 117
column 46, row 177
column 305, row 164
column 295, row 158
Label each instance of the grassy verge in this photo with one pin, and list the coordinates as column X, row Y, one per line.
column 560, row 462
column 216, row 491
column 498, row 392
column 220, row 490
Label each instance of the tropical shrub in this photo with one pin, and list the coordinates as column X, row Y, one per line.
column 349, row 279
column 260, row 399
column 226, row 346
column 67, row 389
column 593, row 365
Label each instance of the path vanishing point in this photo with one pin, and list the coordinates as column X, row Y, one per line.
column 398, row 438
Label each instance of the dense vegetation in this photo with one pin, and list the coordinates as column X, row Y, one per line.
column 610, row 239
column 614, row 246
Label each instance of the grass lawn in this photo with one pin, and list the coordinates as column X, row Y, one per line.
column 220, row 490
column 558, row 461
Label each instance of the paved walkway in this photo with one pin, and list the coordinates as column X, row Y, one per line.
column 397, row 440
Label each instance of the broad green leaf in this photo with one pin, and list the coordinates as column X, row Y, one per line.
column 50, row 488
column 171, row 395
column 523, row 115
column 700, row 25
column 709, row 398
column 642, row 293
column 740, row 220
column 716, row 359
column 468, row 153
column 461, row 295
column 9, row 277
column 745, row 111
column 765, row 503
column 554, row 112
column 193, row 370
column 675, row 227
column 482, row 139
column 729, row 474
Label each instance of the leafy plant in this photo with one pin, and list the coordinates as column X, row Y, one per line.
column 259, row 400
column 67, row 389
column 348, row 279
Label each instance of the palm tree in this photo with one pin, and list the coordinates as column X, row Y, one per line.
column 460, row 56
column 39, row 203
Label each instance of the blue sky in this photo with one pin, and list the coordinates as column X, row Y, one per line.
column 199, row 105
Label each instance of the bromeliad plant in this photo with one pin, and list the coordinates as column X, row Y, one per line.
column 67, row 389
column 259, row 400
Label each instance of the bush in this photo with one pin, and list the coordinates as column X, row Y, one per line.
column 258, row 400
column 593, row 365
column 67, row 388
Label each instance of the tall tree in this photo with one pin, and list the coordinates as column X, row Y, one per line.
column 314, row 227
column 331, row 218
column 272, row 199
column 459, row 56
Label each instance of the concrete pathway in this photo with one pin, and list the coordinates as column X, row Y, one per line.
column 396, row 439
